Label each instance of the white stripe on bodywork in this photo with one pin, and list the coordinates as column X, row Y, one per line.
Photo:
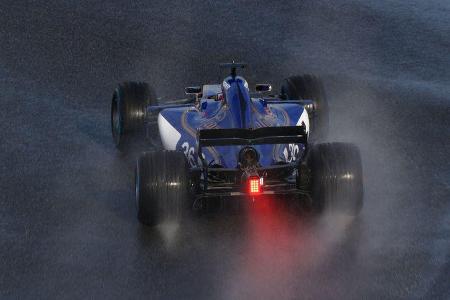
column 169, row 135
column 304, row 119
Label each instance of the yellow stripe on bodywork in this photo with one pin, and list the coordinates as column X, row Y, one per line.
column 193, row 133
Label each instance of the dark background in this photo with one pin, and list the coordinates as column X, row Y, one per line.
column 67, row 217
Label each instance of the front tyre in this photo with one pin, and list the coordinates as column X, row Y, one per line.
column 309, row 87
column 162, row 184
column 128, row 110
column 336, row 178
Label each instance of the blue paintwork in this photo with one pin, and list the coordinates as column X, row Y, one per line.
column 238, row 110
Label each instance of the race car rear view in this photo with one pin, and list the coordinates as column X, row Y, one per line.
column 225, row 141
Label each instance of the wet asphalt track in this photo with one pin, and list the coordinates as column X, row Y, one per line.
column 67, row 217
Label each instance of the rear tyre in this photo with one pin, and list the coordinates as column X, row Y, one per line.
column 336, row 177
column 162, row 184
column 128, row 110
column 309, row 87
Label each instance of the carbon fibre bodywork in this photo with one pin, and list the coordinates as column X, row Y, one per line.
column 179, row 127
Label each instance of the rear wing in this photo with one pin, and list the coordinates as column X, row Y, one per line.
column 258, row 136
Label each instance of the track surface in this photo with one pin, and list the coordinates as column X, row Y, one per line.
column 67, row 217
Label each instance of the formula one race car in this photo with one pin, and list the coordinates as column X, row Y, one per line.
column 225, row 141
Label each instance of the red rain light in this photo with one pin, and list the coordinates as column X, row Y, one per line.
column 254, row 185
